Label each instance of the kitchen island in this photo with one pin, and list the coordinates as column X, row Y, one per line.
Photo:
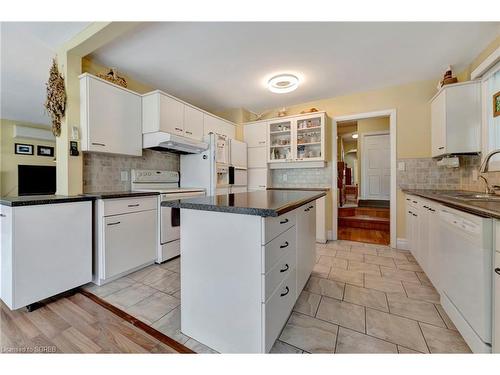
column 245, row 258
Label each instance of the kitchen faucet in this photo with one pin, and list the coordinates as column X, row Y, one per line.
column 485, row 168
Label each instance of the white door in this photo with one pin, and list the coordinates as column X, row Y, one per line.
column 376, row 167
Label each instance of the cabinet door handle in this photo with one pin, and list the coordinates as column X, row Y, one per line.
column 311, row 207
column 287, row 290
column 440, row 148
column 497, row 271
column 188, row 132
column 284, row 245
column 134, row 205
column 414, row 215
column 262, row 142
column 178, row 129
column 98, row 144
column 286, row 268
column 284, row 221
column 3, row 215
column 115, row 223
column 425, row 207
column 307, row 209
column 410, row 212
column 415, row 202
column 408, row 199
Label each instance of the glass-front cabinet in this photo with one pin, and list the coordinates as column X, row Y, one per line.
column 297, row 139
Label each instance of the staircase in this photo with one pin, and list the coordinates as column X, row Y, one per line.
column 365, row 222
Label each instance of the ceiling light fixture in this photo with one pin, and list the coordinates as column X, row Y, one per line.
column 355, row 135
column 283, row 83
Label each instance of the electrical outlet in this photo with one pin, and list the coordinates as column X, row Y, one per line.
column 475, row 175
column 124, row 176
column 401, row 166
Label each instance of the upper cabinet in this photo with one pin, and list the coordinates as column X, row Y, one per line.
column 212, row 124
column 255, row 134
column 298, row 140
column 110, row 117
column 456, row 119
column 162, row 112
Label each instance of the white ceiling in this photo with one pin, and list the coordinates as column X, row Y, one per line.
column 225, row 65
column 26, row 52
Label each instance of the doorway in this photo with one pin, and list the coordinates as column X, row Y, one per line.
column 365, row 178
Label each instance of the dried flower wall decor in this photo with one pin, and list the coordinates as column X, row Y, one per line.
column 56, row 98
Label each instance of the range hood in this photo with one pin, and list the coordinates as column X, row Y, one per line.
column 168, row 141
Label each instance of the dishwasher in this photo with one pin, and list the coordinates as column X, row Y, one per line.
column 466, row 247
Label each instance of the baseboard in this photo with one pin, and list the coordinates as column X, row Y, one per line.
column 402, row 244
column 329, row 235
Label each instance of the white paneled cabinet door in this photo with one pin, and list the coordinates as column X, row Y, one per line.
column 255, row 134
column 438, row 124
column 111, row 118
column 129, row 241
column 171, row 115
column 193, row 123
column 257, row 157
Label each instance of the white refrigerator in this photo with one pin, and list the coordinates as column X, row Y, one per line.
column 221, row 169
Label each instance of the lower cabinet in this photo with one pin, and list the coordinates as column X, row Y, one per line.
column 126, row 236
column 45, row 250
column 496, row 291
column 306, row 239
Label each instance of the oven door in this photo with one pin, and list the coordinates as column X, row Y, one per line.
column 170, row 229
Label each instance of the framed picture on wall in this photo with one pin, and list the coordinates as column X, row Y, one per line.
column 23, row 149
column 45, row 151
column 496, row 104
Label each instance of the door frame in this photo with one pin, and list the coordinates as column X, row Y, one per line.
column 392, row 114
column 362, row 141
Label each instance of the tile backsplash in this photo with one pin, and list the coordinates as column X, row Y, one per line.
column 424, row 173
column 102, row 172
column 302, row 177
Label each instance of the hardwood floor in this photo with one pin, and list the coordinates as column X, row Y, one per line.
column 73, row 324
column 373, row 236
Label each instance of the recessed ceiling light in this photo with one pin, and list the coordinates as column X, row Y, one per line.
column 355, row 135
column 283, row 83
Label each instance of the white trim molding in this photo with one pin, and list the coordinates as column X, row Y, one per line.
column 392, row 114
column 486, row 64
column 402, row 244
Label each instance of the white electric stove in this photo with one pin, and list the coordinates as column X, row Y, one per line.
column 167, row 184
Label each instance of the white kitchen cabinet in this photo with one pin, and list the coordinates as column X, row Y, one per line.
column 212, row 124
column 110, row 117
column 46, row 249
column 255, row 134
column 257, row 157
column 193, row 123
column 126, row 236
column 412, row 226
column 165, row 113
column 258, row 179
column 456, row 119
column 306, row 240
column 496, row 291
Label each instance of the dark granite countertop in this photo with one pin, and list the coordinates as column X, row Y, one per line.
column 120, row 194
column 33, row 200
column 260, row 203
column 300, row 188
column 480, row 208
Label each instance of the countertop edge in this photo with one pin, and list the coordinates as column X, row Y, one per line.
column 121, row 194
column 46, row 201
column 461, row 206
column 262, row 212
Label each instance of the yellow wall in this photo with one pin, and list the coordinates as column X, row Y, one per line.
column 367, row 126
column 238, row 116
column 10, row 160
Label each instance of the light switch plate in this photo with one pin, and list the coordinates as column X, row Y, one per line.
column 124, row 176
column 401, row 166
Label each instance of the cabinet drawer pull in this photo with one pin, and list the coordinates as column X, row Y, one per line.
column 287, row 267
column 115, row 223
column 415, row 202
column 311, row 207
column 134, row 205
column 188, row 132
column 178, row 129
column 284, row 221
column 497, row 271
column 425, row 207
column 3, row 215
column 98, row 144
column 287, row 290
column 307, row 209
column 440, row 148
column 284, row 245
column 262, row 142
column 408, row 199
column 414, row 215
column 410, row 212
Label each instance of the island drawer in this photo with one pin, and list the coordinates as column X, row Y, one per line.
column 126, row 205
column 277, row 309
column 280, row 271
column 275, row 249
column 274, row 226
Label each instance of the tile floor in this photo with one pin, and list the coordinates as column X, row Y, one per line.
column 361, row 298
